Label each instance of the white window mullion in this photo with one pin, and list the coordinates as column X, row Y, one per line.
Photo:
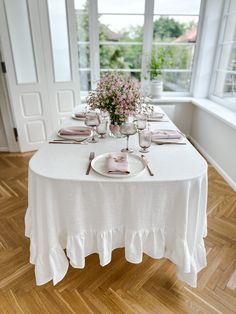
column 219, row 51
column 71, row 20
column 197, row 45
column 147, row 42
column 94, row 42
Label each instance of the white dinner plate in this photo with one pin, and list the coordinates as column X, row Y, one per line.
column 77, row 118
column 136, row 164
column 75, row 137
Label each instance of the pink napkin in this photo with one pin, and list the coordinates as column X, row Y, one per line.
column 75, row 131
column 156, row 116
column 166, row 134
column 80, row 115
column 118, row 163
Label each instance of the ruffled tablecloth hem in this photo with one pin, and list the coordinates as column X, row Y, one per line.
column 54, row 264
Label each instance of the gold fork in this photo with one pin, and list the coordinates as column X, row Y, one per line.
column 91, row 157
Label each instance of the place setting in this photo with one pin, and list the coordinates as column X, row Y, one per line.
column 118, row 164
column 157, row 117
column 164, row 136
column 125, row 163
column 96, row 126
column 72, row 135
column 80, row 115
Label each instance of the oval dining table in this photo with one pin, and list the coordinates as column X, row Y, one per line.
column 71, row 215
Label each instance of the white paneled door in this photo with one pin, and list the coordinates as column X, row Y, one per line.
column 38, row 50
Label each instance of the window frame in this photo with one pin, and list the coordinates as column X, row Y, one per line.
column 147, row 43
column 219, row 46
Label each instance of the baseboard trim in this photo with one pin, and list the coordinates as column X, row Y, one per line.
column 211, row 160
column 4, row 149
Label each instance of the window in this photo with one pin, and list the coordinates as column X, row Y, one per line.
column 121, row 36
column 83, row 44
column 59, row 39
column 224, row 78
column 130, row 32
column 175, row 27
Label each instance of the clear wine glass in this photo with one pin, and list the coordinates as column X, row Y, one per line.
column 92, row 119
column 145, row 140
column 141, row 122
column 128, row 129
column 101, row 129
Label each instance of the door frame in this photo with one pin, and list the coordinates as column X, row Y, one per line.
column 6, row 111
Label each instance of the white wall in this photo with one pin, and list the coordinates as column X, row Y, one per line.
column 181, row 115
column 217, row 141
column 214, row 138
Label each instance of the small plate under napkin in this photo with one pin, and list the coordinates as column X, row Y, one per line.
column 77, row 137
column 80, row 117
column 179, row 137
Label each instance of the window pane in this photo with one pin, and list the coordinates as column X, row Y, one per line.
column 85, row 80
column 121, row 6
column 230, row 25
column 82, row 22
column 174, row 57
column 120, row 57
column 121, row 28
column 232, row 60
column 183, row 7
column 59, row 38
column 230, row 85
column 83, row 46
column 176, row 81
column 21, row 42
column 81, row 5
column 226, row 86
column 83, row 52
column 136, row 75
column 179, row 29
column 228, row 58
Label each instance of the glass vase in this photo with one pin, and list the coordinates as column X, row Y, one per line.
column 115, row 131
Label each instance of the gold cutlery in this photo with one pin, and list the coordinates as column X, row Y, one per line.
column 91, row 157
column 68, row 142
column 148, row 168
column 68, row 139
column 166, row 143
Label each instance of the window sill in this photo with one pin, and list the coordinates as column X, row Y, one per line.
column 220, row 112
column 171, row 99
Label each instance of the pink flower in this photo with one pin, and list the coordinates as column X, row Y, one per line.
column 118, row 94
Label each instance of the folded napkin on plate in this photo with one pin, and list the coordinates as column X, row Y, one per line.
column 156, row 116
column 118, row 164
column 74, row 131
column 80, row 115
column 166, row 134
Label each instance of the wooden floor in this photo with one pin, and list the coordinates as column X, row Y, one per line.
column 120, row 287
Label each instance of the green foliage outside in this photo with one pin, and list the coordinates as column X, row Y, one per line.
column 129, row 56
column 167, row 28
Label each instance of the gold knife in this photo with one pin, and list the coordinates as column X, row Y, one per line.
column 149, row 170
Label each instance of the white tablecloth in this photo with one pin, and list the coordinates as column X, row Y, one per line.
column 162, row 216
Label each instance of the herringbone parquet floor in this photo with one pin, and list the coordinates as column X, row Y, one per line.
column 120, row 287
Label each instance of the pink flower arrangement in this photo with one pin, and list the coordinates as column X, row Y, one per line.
column 117, row 94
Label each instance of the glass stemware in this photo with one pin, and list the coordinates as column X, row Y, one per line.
column 128, row 129
column 101, row 129
column 92, row 119
column 141, row 122
column 145, row 139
